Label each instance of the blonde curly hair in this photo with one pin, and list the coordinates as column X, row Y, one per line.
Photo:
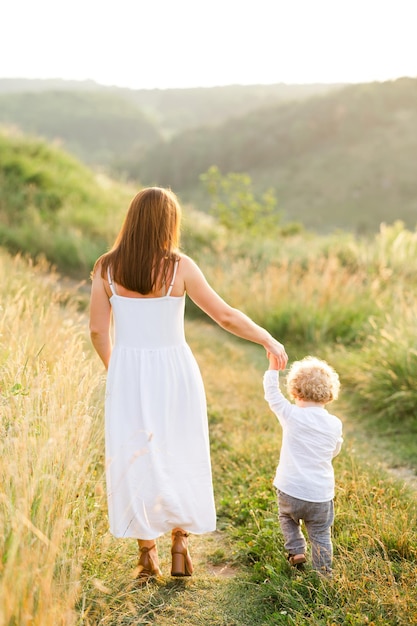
column 313, row 380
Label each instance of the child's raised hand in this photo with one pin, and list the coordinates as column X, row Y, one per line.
column 276, row 349
column 273, row 361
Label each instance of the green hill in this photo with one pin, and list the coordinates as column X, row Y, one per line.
column 53, row 206
column 346, row 159
column 181, row 109
column 336, row 157
column 98, row 127
column 174, row 110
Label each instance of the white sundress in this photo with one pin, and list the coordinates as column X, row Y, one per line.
column 158, row 470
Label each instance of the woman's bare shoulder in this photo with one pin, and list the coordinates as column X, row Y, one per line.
column 187, row 262
column 98, row 276
column 98, row 266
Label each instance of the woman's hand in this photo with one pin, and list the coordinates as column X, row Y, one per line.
column 277, row 356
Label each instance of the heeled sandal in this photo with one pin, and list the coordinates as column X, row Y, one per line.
column 147, row 566
column 181, row 560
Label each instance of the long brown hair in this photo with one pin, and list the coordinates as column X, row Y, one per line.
column 143, row 253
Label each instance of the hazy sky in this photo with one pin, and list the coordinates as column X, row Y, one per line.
column 190, row 43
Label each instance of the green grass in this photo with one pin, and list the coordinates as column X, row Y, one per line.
column 375, row 534
column 53, row 207
column 59, row 565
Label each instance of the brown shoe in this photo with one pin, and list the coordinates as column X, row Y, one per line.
column 148, row 566
column 296, row 559
column 181, row 560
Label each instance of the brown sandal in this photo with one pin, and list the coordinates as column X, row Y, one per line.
column 147, row 566
column 181, row 560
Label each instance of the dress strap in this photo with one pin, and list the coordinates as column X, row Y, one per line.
column 113, row 290
column 173, row 277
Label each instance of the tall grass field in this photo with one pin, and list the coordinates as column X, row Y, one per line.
column 350, row 302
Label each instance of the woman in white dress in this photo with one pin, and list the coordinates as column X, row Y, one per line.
column 158, row 469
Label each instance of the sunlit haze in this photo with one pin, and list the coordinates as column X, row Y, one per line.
column 191, row 43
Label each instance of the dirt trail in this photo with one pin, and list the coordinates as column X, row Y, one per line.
column 371, row 447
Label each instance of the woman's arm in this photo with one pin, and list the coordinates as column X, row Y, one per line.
column 232, row 320
column 100, row 317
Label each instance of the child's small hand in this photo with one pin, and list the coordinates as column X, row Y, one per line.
column 273, row 361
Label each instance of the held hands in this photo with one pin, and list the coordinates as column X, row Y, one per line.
column 277, row 357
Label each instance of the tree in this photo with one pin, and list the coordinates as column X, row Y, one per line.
column 234, row 204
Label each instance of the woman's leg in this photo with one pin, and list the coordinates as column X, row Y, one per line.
column 181, row 560
column 148, row 565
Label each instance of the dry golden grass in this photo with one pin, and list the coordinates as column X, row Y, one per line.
column 60, row 566
column 48, row 439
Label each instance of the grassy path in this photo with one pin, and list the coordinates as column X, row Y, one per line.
column 208, row 597
column 220, row 592
column 60, row 566
column 227, row 588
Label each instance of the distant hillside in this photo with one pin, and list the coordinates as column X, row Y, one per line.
column 346, row 159
column 336, row 157
column 53, row 206
column 27, row 85
column 180, row 109
column 173, row 110
column 98, row 127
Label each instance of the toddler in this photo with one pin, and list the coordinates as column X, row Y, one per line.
column 311, row 438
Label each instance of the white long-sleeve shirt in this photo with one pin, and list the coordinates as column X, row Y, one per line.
column 311, row 438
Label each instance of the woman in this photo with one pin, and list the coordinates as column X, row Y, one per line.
column 157, row 446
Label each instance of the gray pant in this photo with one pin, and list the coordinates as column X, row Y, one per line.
column 318, row 518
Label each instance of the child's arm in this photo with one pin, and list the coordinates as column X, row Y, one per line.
column 272, row 393
column 338, row 446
